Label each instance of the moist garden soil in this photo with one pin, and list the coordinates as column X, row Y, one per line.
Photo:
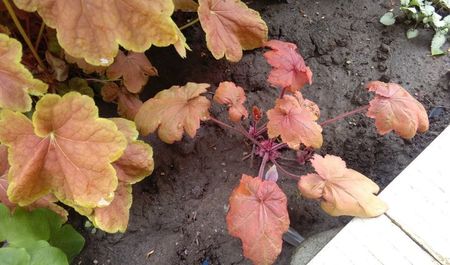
column 178, row 213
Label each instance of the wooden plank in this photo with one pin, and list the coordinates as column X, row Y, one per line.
column 372, row 241
column 419, row 198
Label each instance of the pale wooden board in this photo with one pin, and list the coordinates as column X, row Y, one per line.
column 416, row 228
column 372, row 241
column 419, row 198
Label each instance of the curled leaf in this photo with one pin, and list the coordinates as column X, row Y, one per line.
column 258, row 216
column 128, row 104
column 393, row 108
column 234, row 97
column 231, row 27
column 67, row 150
column 135, row 164
column 288, row 67
column 185, row 5
column 16, row 82
column 294, row 118
column 342, row 191
column 93, row 30
column 174, row 111
column 59, row 66
column 135, row 68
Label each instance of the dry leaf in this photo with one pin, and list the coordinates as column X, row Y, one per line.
column 135, row 68
column 342, row 191
column 174, row 111
column 234, row 97
column 231, row 27
column 393, row 108
column 258, row 216
column 294, row 118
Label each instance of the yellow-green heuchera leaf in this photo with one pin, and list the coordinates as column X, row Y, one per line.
column 67, row 150
column 16, row 82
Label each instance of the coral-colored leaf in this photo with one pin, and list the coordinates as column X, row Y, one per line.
column 342, row 191
column 289, row 69
column 94, row 29
column 234, row 97
column 258, row 216
column 45, row 202
column 134, row 165
column 231, row 27
column 135, row 68
column 393, row 108
column 16, row 82
column 128, row 104
column 294, row 118
column 67, row 151
column 185, row 5
column 174, row 111
column 137, row 160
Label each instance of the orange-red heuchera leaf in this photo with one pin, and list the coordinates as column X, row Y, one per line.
column 289, row 69
column 135, row 69
column 94, row 29
column 393, row 108
column 134, row 165
column 44, row 202
column 67, row 150
column 16, row 82
column 294, row 118
column 174, row 111
column 231, row 27
column 258, row 216
column 185, row 5
column 342, row 191
column 234, row 97
column 128, row 104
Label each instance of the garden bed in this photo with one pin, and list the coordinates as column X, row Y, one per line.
column 178, row 214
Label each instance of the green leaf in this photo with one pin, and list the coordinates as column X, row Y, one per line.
column 43, row 254
column 14, row 256
column 388, row 19
column 404, row 2
column 439, row 39
column 68, row 240
column 412, row 33
column 25, row 226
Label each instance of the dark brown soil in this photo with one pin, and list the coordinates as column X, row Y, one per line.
column 178, row 214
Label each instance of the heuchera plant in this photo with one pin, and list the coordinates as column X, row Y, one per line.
column 65, row 153
column 258, row 212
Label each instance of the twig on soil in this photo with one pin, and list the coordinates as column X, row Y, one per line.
column 344, row 115
column 187, row 25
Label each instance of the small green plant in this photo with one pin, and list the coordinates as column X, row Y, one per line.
column 36, row 237
column 430, row 14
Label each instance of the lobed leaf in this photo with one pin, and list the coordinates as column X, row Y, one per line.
column 258, row 216
column 128, row 104
column 294, row 118
column 94, row 29
column 393, row 108
column 135, row 68
column 288, row 67
column 231, row 27
column 234, row 97
column 174, row 111
column 16, row 82
column 134, row 165
column 342, row 191
column 67, row 150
